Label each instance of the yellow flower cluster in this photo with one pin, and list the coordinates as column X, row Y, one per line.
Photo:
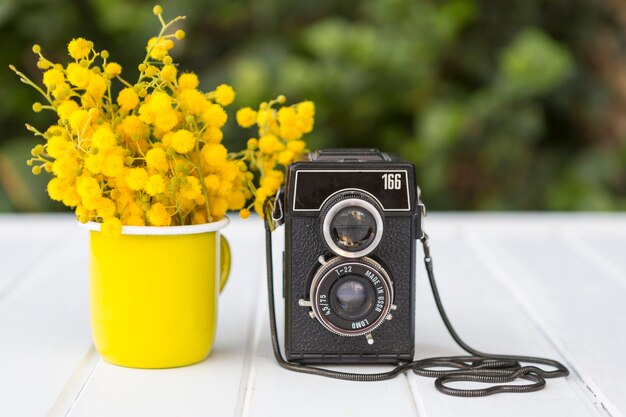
column 150, row 152
column 279, row 143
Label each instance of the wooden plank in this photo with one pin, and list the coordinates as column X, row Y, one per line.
column 24, row 240
column 214, row 387
column 489, row 319
column 571, row 299
column 43, row 314
column 18, row 256
column 48, row 367
column 602, row 245
column 43, row 226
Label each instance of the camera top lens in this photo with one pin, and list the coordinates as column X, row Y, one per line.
column 352, row 226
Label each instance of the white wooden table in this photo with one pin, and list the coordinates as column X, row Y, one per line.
column 537, row 284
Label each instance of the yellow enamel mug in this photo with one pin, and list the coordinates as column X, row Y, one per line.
column 154, row 292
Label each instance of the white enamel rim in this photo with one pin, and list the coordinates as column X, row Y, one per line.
column 193, row 229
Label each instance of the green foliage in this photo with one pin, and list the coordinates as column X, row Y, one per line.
column 501, row 105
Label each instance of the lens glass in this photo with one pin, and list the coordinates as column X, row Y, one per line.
column 352, row 297
column 353, row 228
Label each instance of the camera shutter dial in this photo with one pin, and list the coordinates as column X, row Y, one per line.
column 352, row 225
column 351, row 297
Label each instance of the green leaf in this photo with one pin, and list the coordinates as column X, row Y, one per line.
column 534, row 63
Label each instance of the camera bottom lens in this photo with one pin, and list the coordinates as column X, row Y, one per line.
column 351, row 297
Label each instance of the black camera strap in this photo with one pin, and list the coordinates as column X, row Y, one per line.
column 476, row 367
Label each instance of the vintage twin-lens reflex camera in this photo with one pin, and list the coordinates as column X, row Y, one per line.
column 352, row 219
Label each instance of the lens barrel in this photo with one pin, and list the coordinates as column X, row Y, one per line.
column 352, row 225
column 351, row 297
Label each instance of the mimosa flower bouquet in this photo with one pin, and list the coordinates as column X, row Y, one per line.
column 143, row 164
column 150, row 152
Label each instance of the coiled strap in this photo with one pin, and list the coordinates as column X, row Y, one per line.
column 479, row 367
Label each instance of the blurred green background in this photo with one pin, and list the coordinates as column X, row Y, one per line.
column 513, row 105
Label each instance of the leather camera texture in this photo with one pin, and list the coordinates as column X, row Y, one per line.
column 306, row 340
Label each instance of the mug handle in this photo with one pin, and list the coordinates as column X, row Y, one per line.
column 224, row 261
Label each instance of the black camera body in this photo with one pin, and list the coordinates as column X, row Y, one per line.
column 352, row 220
